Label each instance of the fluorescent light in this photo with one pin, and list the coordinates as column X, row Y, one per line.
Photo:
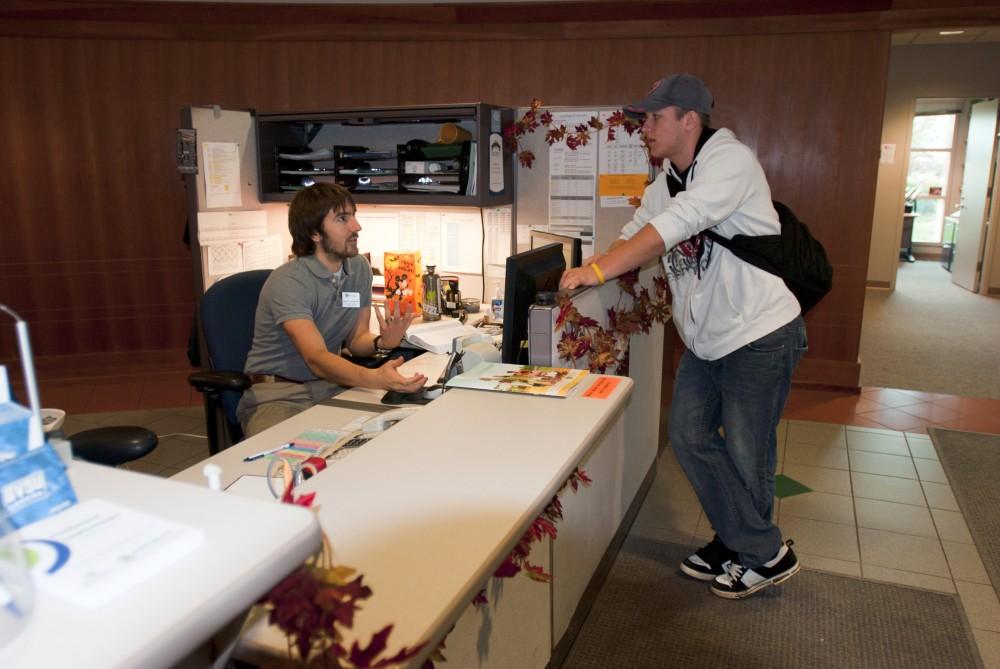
column 951, row 32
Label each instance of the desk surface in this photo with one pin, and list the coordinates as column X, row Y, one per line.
column 429, row 509
column 249, row 545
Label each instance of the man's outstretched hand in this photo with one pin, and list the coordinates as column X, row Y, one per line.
column 391, row 379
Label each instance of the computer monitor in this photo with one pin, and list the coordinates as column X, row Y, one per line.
column 572, row 246
column 528, row 273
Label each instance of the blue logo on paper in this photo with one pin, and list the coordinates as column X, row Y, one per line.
column 49, row 555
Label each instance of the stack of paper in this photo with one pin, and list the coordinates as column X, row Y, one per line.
column 437, row 336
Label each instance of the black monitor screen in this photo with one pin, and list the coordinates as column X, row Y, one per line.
column 572, row 246
column 527, row 273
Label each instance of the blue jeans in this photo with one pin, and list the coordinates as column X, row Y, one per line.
column 732, row 472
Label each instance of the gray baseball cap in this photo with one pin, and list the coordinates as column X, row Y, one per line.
column 680, row 90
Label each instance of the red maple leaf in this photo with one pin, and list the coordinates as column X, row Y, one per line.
column 628, row 281
column 536, row 573
column 566, row 310
column 363, row 657
column 579, row 477
column 526, row 158
column 507, row 569
column 555, row 135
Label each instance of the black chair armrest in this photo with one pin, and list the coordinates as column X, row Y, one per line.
column 205, row 382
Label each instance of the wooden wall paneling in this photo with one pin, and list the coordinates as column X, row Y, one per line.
column 85, row 152
column 798, row 99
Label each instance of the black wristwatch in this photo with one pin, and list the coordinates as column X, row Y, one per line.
column 379, row 349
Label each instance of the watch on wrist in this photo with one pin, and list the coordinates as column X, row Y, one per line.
column 378, row 345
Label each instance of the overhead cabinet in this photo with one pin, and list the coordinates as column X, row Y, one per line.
column 433, row 155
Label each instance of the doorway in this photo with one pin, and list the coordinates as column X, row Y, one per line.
column 947, row 198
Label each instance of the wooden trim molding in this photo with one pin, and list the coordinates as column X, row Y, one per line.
column 496, row 21
column 838, row 374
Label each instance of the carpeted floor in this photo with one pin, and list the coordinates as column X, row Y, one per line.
column 972, row 461
column 931, row 335
column 649, row 615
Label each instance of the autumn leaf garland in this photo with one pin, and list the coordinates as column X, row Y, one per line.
column 542, row 526
column 607, row 349
column 315, row 603
column 536, row 117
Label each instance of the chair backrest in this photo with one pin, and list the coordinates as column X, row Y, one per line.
column 227, row 320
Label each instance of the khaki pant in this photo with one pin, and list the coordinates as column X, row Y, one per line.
column 267, row 404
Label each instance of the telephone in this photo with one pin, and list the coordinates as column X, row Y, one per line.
column 386, row 419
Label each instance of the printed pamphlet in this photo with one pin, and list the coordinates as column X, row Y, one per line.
column 523, row 379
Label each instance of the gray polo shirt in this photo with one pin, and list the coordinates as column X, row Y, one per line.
column 306, row 288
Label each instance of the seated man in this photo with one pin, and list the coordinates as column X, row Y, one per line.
column 309, row 309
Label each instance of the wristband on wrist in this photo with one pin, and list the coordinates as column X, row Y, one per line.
column 378, row 345
column 598, row 272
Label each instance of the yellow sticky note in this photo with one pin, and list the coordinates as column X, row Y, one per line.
column 621, row 185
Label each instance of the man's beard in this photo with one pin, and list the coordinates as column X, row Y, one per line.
column 327, row 244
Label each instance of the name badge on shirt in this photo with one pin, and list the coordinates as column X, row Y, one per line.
column 350, row 299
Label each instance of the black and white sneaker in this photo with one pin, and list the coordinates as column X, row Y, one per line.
column 706, row 563
column 738, row 582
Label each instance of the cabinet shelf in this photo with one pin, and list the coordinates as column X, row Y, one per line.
column 430, row 155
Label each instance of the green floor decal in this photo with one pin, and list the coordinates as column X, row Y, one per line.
column 786, row 487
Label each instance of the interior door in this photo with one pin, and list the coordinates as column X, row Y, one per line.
column 979, row 156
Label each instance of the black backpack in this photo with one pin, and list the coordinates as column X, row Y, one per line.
column 794, row 255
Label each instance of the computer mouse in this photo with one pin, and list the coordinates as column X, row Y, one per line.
column 433, row 392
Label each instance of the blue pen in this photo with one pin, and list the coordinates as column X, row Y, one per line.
column 258, row 456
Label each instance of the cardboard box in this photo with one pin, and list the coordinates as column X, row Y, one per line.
column 14, row 427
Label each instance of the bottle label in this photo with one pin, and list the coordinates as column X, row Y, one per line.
column 431, row 306
column 497, row 307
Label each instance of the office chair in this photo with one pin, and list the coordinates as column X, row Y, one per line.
column 227, row 321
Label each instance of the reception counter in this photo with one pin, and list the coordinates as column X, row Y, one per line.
column 430, row 508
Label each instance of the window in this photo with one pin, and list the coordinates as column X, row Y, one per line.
column 930, row 167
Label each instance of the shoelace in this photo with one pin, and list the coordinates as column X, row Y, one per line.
column 734, row 570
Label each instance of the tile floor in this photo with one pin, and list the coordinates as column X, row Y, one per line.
column 880, row 509
column 880, row 506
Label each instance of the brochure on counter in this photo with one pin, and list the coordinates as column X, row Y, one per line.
column 522, row 379
column 93, row 552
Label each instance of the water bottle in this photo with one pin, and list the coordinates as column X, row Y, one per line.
column 431, row 304
column 496, row 306
column 17, row 591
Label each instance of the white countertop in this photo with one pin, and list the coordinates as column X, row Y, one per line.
column 429, row 509
column 249, row 546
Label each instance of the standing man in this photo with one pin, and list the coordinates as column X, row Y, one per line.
column 741, row 326
column 309, row 309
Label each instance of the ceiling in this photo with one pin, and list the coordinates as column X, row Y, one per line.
column 976, row 34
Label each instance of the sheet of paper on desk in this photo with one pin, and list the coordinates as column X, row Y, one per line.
column 429, row 364
column 96, row 550
column 252, row 485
